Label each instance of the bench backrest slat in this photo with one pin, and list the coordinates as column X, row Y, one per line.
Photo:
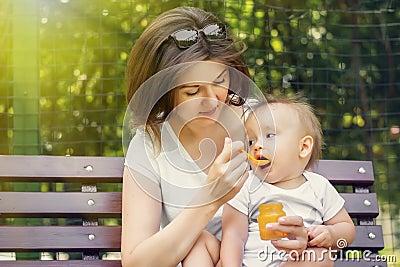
column 346, row 172
column 60, row 204
column 63, row 169
column 107, row 238
column 108, row 204
column 52, row 238
column 361, row 205
column 368, row 236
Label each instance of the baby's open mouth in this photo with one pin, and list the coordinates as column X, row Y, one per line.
column 263, row 162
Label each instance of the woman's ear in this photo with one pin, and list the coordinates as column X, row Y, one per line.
column 306, row 146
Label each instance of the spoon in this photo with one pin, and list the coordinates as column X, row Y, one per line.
column 260, row 162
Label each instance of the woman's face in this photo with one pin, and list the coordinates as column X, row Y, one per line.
column 202, row 94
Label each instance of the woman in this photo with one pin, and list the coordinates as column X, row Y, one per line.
column 182, row 164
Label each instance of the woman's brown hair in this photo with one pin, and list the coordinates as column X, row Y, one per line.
column 155, row 51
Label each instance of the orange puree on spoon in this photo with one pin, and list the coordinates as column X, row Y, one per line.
column 261, row 162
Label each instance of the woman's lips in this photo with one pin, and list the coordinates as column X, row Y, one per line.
column 208, row 113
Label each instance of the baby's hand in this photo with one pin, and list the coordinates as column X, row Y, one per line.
column 319, row 236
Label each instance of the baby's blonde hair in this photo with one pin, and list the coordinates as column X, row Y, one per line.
column 308, row 120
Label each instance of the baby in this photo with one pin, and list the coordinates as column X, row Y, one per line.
column 286, row 131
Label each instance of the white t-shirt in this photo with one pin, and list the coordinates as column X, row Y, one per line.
column 172, row 170
column 315, row 201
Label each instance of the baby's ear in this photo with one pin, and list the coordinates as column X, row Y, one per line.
column 306, row 146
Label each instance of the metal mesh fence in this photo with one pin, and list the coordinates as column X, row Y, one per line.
column 62, row 75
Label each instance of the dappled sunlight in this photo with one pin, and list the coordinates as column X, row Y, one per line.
column 63, row 80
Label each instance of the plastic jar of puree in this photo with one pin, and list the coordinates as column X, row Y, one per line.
column 270, row 213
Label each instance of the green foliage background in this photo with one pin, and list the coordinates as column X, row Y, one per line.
column 62, row 74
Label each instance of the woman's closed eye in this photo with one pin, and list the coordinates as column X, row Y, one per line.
column 191, row 90
column 191, row 93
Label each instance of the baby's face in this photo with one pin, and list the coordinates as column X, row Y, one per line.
column 274, row 131
column 260, row 130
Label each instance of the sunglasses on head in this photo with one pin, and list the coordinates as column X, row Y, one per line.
column 185, row 38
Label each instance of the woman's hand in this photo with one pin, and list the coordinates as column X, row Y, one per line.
column 227, row 174
column 297, row 234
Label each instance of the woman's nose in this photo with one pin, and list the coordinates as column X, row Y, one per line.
column 209, row 96
column 209, row 91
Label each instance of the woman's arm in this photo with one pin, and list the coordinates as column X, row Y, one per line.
column 234, row 236
column 144, row 244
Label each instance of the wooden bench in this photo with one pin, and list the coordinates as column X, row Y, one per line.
column 354, row 180
column 91, row 238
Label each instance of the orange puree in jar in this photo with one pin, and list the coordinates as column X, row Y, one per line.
column 270, row 213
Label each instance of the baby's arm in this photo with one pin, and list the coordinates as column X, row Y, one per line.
column 337, row 228
column 234, row 236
